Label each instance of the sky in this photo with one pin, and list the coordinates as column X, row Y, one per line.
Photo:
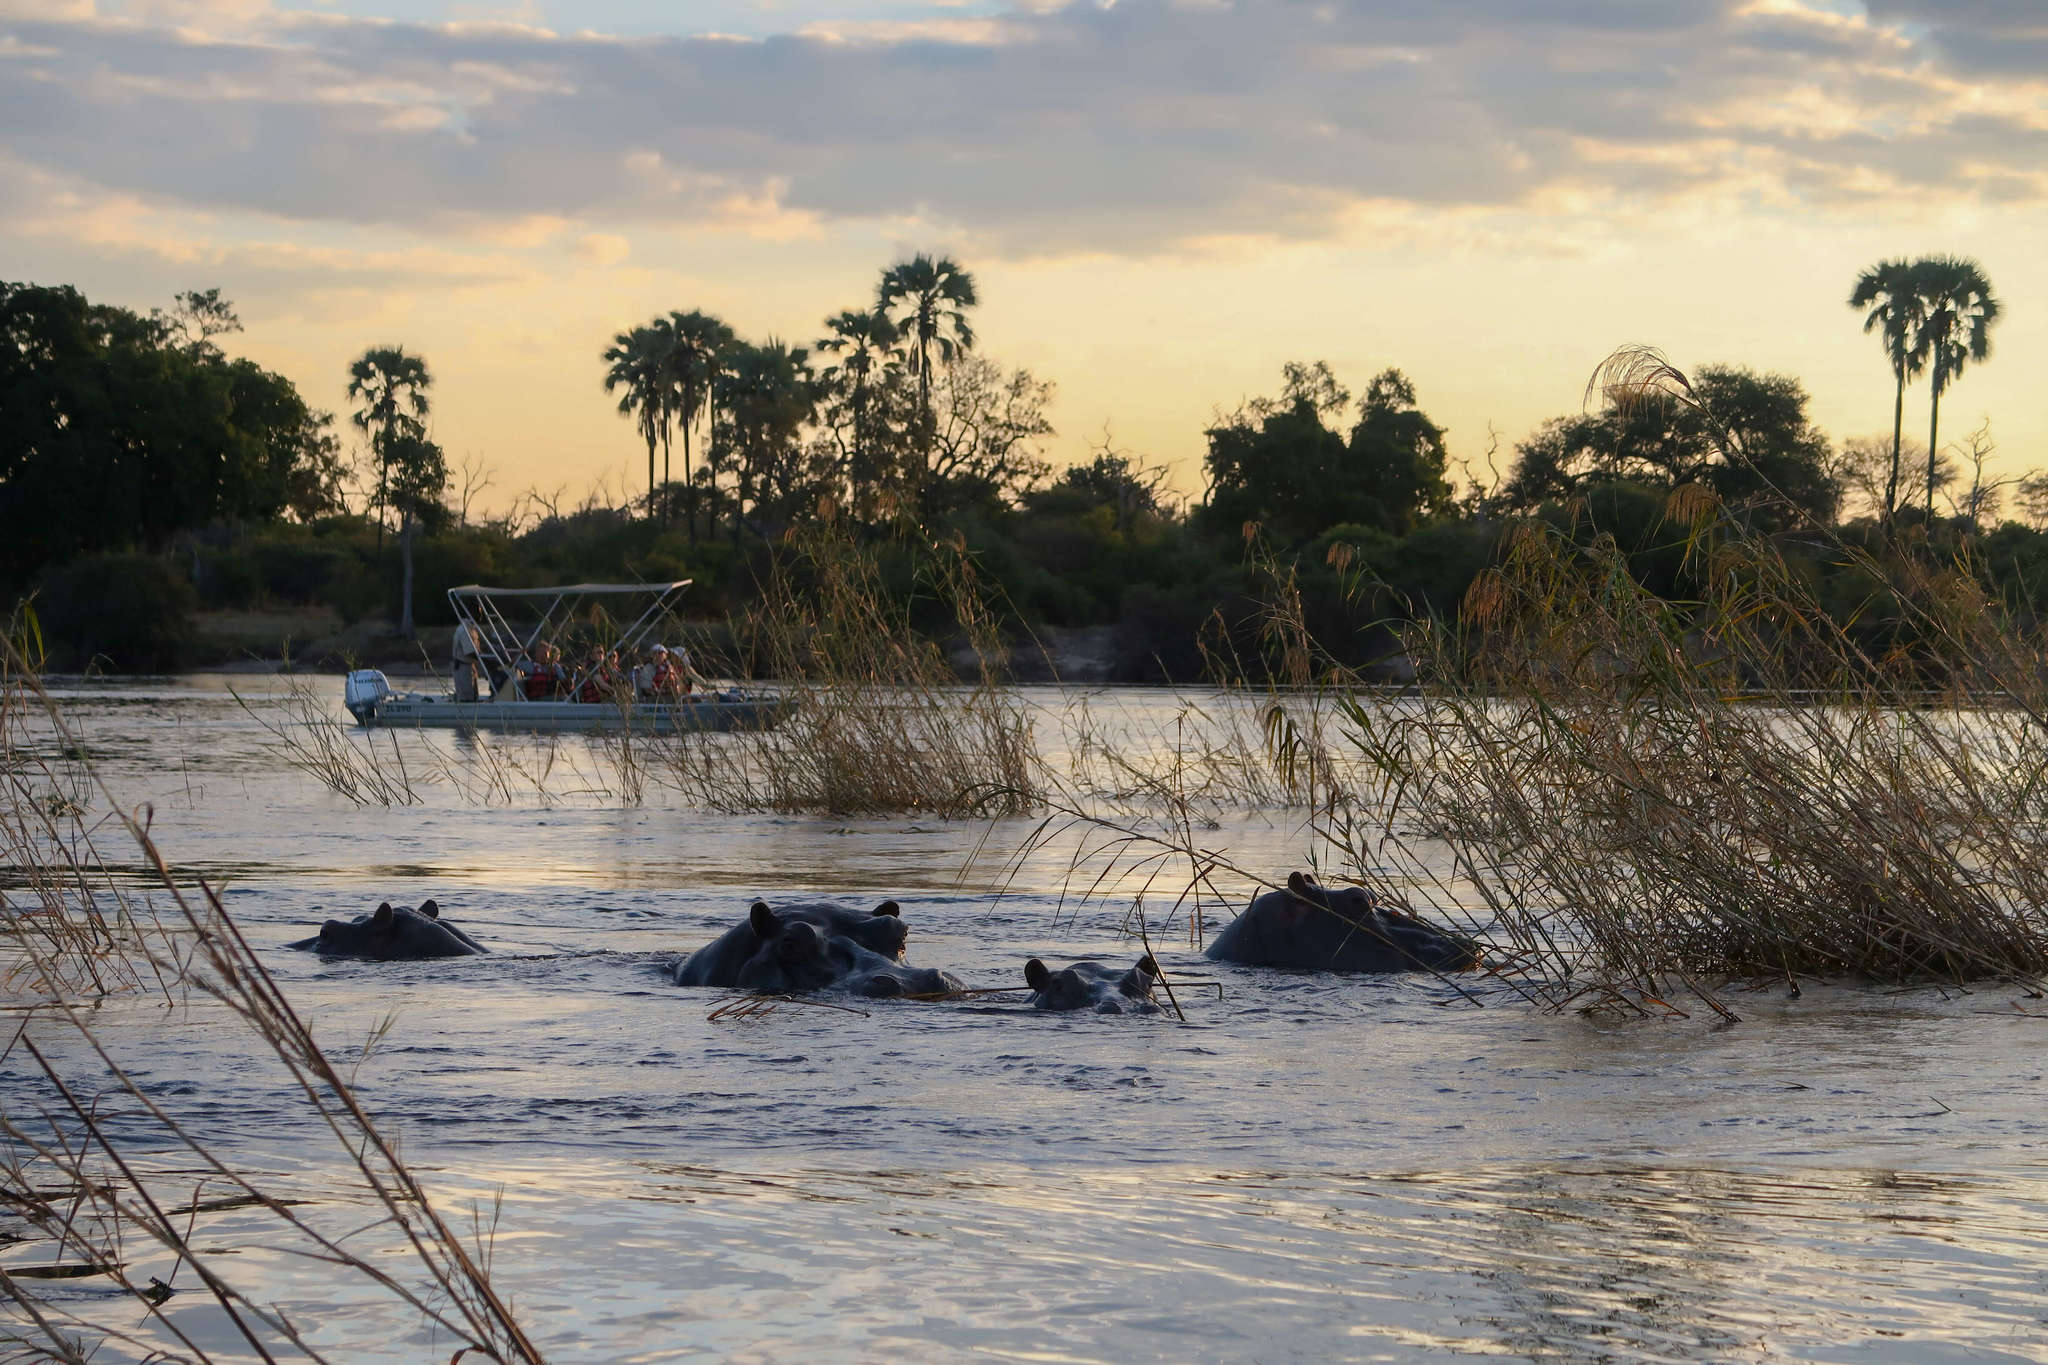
column 1162, row 201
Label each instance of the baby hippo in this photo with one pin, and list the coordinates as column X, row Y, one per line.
column 803, row 950
column 1092, row 986
column 1337, row 929
column 392, row 935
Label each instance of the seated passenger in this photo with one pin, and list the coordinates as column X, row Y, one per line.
column 544, row 676
column 599, row 677
column 662, row 683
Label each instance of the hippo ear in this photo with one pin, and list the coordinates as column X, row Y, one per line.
column 431, row 909
column 382, row 919
column 1298, row 884
column 889, row 908
column 763, row 919
column 1035, row 974
column 1149, row 965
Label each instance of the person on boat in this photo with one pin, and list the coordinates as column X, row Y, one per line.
column 600, row 676
column 661, row 674
column 544, row 679
column 468, row 652
column 688, row 679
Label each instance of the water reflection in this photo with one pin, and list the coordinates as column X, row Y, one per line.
column 1180, row 1263
column 1306, row 1170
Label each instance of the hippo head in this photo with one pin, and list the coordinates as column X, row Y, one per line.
column 883, row 931
column 1093, row 986
column 794, row 956
column 1353, row 903
column 811, row 946
column 390, row 934
column 1343, row 928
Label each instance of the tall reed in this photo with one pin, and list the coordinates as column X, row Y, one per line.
column 99, row 1168
column 876, row 719
column 1643, row 791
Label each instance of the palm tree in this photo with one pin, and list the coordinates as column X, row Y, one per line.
column 927, row 299
column 635, row 360
column 770, row 396
column 1890, row 291
column 391, row 387
column 865, row 340
column 661, row 343
column 1957, row 308
column 695, row 341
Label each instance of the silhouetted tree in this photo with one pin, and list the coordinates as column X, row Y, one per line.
column 1753, row 444
column 695, row 342
column 419, row 476
column 1397, row 464
column 634, row 370
column 987, row 440
column 769, row 396
column 118, row 431
column 927, row 298
column 863, row 342
column 1959, row 309
column 1128, row 489
column 1890, row 291
column 391, row 388
column 1278, row 463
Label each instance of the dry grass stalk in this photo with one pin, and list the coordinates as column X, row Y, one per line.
column 78, row 1184
column 1649, row 795
column 879, row 721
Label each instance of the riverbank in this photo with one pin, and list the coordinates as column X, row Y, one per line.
column 316, row 640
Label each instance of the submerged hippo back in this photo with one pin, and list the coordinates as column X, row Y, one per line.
column 393, row 934
column 720, row 962
column 1341, row 929
column 807, row 948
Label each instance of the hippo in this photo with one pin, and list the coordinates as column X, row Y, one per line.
column 816, row 947
column 1092, row 986
column 392, row 935
column 1337, row 929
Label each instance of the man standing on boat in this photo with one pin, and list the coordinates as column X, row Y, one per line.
column 469, row 664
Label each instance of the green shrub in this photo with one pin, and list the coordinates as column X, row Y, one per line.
column 229, row 579
column 298, row 571
column 131, row 611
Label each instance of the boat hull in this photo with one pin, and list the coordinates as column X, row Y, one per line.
column 566, row 717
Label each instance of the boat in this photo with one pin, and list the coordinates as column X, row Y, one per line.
column 505, row 632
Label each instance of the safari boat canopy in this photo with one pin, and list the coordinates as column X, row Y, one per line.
column 499, row 635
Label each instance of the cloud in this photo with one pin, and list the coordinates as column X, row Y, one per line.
column 1042, row 128
column 602, row 248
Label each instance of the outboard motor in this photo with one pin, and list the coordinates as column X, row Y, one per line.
column 364, row 689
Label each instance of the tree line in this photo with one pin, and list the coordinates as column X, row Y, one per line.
column 895, row 416
column 890, row 410
column 118, row 430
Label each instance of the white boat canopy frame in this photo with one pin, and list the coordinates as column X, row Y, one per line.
column 501, row 643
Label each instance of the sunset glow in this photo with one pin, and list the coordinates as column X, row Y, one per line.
column 1162, row 202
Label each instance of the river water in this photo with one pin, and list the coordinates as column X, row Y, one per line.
column 1307, row 1168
